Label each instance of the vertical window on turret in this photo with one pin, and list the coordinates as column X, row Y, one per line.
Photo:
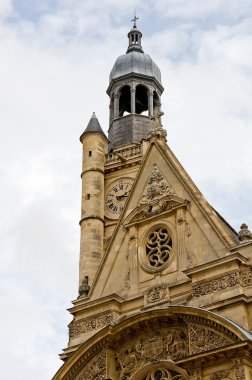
column 90, row 153
column 88, row 196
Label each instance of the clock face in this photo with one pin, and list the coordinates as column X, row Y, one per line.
column 116, row 196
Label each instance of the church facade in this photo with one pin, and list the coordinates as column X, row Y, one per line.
column 165, row 283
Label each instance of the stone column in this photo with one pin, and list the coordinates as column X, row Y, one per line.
column 116, row 106
column 133, row 100
column 150, row 100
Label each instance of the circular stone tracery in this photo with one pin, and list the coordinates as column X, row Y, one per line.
column 162, row 374
column 158, row 247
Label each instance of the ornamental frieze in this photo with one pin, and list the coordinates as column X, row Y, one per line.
column 219, row 283
column 92, row 323
column 229, row 280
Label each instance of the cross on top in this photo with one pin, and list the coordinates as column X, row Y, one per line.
column 134, row 19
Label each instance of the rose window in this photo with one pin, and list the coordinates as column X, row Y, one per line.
column 158, row 247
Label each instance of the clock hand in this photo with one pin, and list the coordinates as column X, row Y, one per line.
column 120, row 197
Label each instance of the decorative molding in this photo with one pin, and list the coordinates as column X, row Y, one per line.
column 156, row 294
column 95, row 369
column 244, row 278
column 216, row 284
column 92, row 323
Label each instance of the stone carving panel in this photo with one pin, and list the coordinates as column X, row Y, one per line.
column 216, row 284
column 92, row 323
column 166, row 344
column 205, row 339
column 157, row 187
column 156, row 294
column 95, row 369
column 244, row 278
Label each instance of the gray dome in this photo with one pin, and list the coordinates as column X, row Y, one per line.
column 137, row 63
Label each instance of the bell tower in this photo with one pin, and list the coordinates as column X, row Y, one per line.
column 135, row 90
column 165, row 285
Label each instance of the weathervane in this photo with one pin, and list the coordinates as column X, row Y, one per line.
column 134, row 19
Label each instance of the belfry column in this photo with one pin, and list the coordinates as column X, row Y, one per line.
column 150, row 100
column 116, row 106
column 133, row 100
column 92, row 205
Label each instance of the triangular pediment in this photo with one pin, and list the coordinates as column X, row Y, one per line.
column 164, row 195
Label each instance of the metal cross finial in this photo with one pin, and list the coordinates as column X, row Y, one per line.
column 134, row 19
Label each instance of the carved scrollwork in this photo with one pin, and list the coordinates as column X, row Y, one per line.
column 217, row 284
column 92, row 323
column 246, row 278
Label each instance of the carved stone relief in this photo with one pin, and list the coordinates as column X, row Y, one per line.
column 156, row 294
column 92, row 323
column 126, row 282
column 158, row 133
column 95, row 369
column 246, row 278
column 231, row 279
column 157, row 187
column 204, row 339
column 166, row 344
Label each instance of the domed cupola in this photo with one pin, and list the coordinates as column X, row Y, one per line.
column 135, row 89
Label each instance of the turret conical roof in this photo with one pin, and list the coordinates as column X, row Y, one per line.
column 93, row 126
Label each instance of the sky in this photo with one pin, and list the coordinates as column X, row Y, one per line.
column 55, row 60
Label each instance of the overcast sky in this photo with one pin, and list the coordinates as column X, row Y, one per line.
column 55, row 59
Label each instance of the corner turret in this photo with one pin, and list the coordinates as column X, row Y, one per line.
column 92, row 204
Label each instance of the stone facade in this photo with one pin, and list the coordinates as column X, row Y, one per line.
column 165, row 283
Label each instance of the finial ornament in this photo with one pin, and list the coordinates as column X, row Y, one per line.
column 84, row 288
column 244, row 233
column 135, row 19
